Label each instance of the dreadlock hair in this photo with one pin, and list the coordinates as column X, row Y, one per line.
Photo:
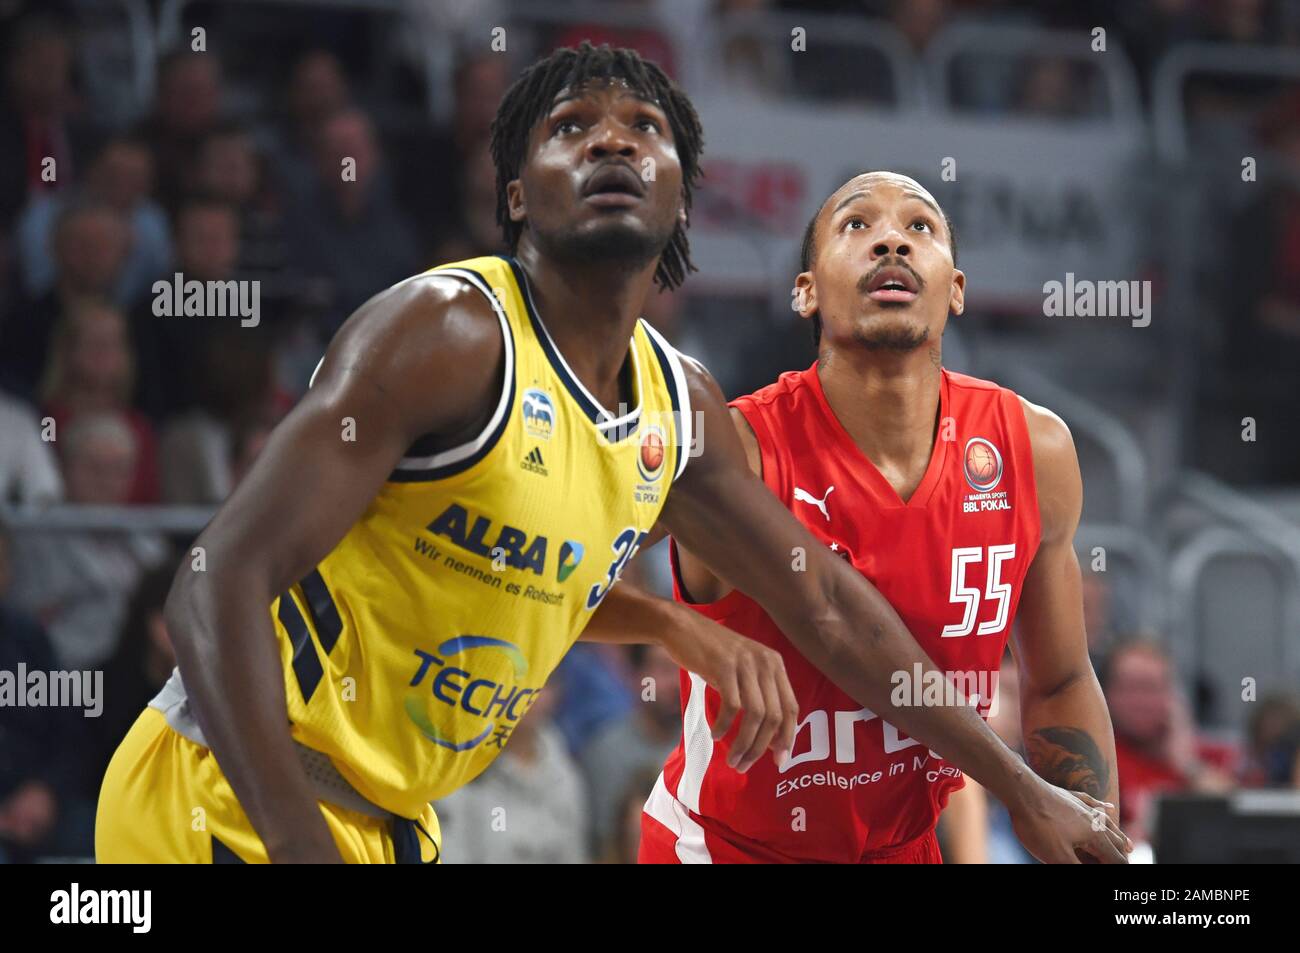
column 808, row 252
column 530, row 98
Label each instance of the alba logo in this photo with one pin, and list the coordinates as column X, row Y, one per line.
column 570, row 556
column 539, row 413
column 983, row 464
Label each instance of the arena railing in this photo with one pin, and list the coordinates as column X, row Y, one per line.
column 1247, row 527
column 172, row 519
column 964, row 38
column 1192, row 581
column 1108, row 433
column 1169, row 80
column 775, row 31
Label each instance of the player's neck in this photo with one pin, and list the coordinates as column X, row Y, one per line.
column 888, row 402
column 590, row 311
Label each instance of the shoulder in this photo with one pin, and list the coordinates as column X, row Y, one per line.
column 431, row 344
column 1049, row 436
column 1056, row 469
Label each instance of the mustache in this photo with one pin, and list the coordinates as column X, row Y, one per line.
column 864, row 283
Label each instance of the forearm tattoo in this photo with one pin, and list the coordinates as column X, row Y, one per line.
column 1069, row 758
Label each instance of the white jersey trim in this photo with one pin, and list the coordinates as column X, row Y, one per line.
column 678, row 383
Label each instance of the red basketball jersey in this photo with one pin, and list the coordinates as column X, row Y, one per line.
column 951, row 561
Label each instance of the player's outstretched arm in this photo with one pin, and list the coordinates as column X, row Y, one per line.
column 1068, row 736
column 750, row 678
column 421, row 358
column 726, row 516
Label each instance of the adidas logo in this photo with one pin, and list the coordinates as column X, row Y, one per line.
column 533, row 462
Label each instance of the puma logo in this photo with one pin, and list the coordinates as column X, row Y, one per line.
column 803, row 496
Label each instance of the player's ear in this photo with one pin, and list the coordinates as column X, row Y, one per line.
column 803, row 296
column 957, row 300
column 515, row 202
column 681, row 216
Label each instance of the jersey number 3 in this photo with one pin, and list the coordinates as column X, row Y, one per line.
column 970, row 595
column 625, row 548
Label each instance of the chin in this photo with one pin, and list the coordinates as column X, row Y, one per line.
column 613, row 236
column 891, row 332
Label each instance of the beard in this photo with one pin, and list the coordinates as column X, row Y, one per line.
column 896, row 337
column 614, row 243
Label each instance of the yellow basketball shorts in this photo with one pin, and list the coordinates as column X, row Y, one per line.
column 165, row 801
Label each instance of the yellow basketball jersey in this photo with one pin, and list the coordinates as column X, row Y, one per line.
column 414, row 648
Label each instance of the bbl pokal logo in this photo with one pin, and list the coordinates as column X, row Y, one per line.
column 983, row 464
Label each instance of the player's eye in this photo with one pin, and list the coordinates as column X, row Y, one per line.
column 848, row 225
column 564, row 127
column 651, row 124
column 924, row 224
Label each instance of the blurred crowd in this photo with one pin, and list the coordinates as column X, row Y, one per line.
column 233, row 173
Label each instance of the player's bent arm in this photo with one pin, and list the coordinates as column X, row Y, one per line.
column 749, row 677
column 725, row 515
column 702, row 585
column 1068, row 736
column 420, row 358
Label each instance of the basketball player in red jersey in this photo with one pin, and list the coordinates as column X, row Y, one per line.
column 956, row 498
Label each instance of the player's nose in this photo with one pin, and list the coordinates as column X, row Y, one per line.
column 893, row 242
column 609, row 138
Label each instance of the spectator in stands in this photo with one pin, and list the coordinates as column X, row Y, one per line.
column 232, row 171
column 91, row 369
column 1261, row 290
column 919, row 20
column 591, row 682
column 29, row 471
column 529, row 809
column 628, row 746
column 38, row 117
column 135, row 673
column 317, row 90
column 1273, row 743
column 188, row 107
column 646, row 38
column 1052, row 88
column 205, row 450
column 625, row 843
column 1156, row 747
column 447, row 176
column 172, row 347
column 344, row 227
column 38, row 745
column 121, row 177
column 91, row 240
column 77, row 583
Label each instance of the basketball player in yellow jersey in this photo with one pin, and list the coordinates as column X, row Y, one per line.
column 450, row 506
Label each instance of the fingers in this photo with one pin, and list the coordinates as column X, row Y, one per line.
column 1108, row 810
column 784, row 743
column 1107, row 846
column 751, row 719
column 770, row 721
column 729, row 692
